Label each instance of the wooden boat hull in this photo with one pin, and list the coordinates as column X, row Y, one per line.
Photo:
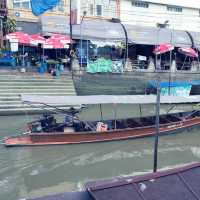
column 90, row 137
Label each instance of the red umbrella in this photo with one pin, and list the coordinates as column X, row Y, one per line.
column 188, row 51
column 22, row 38
column 37, row 39
column 163, row 48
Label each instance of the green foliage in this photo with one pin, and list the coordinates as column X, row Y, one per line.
column 9, row 25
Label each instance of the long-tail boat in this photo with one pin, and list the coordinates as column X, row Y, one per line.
column 47, row 131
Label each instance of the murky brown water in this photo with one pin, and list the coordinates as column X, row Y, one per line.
column 37, row 171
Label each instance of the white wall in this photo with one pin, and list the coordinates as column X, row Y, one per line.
column 184, row 3
column 188, row 19
column 108, row 7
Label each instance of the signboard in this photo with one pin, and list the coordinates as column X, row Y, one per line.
column 14, row 44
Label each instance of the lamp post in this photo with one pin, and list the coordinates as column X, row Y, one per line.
column 81, row 50
column 70, row 27
column 157, row 121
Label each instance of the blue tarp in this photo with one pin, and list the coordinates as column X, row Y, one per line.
column 178, row 88
column 40, row 6
column 171, row 84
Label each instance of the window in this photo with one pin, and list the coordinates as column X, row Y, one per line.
column 141, row 4
column 61, row 6
column 174, row 8
column 91, row 9
column 25, row 4
column 99, row 10
column 16, row 5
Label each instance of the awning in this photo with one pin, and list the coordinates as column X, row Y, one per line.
column 99, row 30
column 108, row 99
column 110, row 31
column 88, row 30
column 181, row 39
column 152, row 36
column 196, row 38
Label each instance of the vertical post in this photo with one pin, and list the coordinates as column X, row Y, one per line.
column 170, row 65
column 70, row 27
column 1, row 31
column 126, row 44
column 87, row 52
column 157, row 126
column 101, row 112
column 115, row 115
column 140, row 108
column 81, row 51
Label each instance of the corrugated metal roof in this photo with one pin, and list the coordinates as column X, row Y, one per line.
column 182, row 183
column 153, row 36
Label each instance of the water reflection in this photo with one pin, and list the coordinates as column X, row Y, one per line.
column 37, row 171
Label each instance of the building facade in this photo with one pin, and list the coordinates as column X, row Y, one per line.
column 182, row 15
column 104, row 9
column 20, row 10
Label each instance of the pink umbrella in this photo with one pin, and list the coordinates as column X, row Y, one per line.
column 37, row 39
column 163, row 48
column 188, row 51
column 22, row 38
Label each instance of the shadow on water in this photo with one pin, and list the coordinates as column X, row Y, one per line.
column 37, row 171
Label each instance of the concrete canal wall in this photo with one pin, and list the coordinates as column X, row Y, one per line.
column 12, row 84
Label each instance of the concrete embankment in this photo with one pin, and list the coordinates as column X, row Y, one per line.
column 13, row 85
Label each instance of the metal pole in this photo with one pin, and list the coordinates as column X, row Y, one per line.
column 126, row 47
column 81, row 51
column 115, row 115
column 81, row 43
column 70, row 26
column 157, row 127
column 101, row 112
column 87, row 51
column 1, row 31
column 170, row 66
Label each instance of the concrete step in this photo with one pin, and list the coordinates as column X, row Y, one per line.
column 12, row 86
column 18, row 96
column 35, row 87
column 22, row 111
column 7, row 102
column 39, row 106
column 30, row 90
column 47, row 92
column 35, row 81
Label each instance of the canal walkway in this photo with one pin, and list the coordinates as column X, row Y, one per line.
column 14, row 83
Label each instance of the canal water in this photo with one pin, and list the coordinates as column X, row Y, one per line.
column 28, row 172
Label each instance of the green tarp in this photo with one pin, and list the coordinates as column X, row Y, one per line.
column 103, row 65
